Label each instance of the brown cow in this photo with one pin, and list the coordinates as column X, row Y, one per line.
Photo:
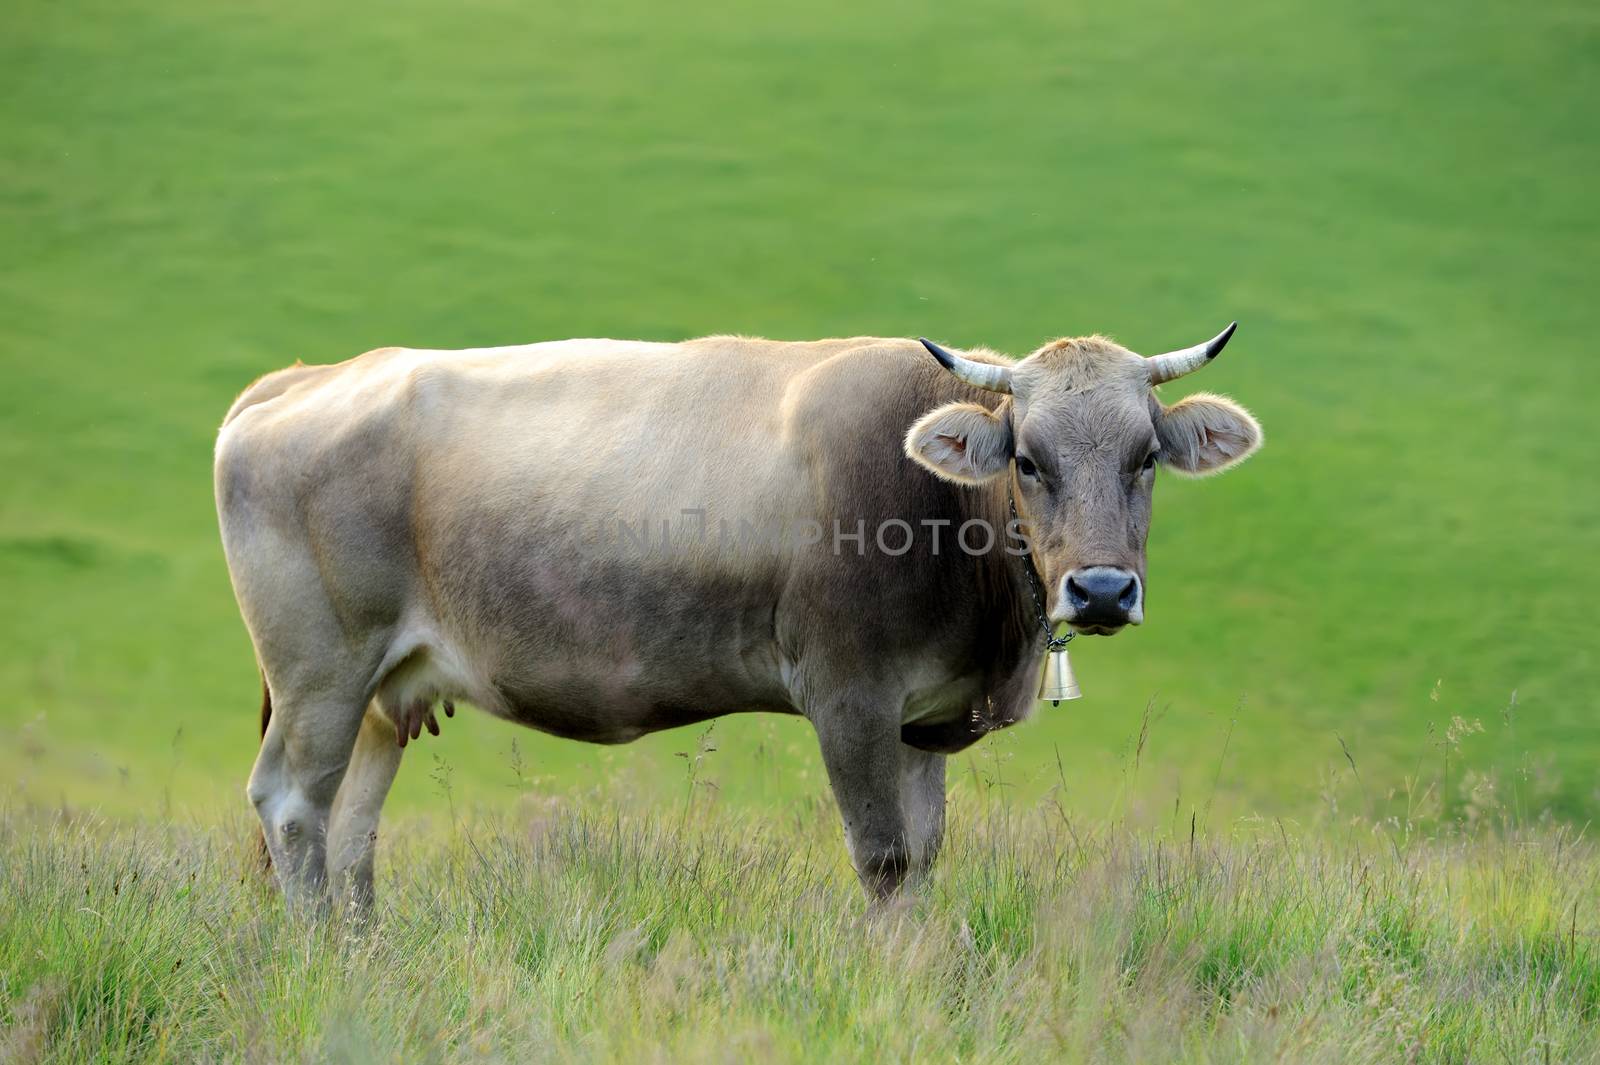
column 600, row 539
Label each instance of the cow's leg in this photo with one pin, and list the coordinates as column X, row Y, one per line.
column 353, row 824
column 303, row 758
column 922, row 797
column 861, row 749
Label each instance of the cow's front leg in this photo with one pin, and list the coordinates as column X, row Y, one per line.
column 862, row 752
column 922, row 798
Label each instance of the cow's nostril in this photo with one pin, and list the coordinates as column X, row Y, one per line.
column 1130, row 595
column 1076, row 594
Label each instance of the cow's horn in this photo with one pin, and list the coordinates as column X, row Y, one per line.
column 1174, row 364
column 982, row 374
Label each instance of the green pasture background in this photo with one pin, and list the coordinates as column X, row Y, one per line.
column 1396, row 201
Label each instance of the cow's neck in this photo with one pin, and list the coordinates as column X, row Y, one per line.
column 1010, row 645
column 1008, row 604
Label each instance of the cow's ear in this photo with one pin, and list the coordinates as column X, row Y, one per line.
column 961, row 442
column 1206, row 434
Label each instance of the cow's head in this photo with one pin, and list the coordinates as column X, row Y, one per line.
column 1079, row 441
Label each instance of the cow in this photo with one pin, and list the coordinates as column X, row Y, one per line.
column 601, row 539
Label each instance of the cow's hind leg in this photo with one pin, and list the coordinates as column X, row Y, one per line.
column 297, row 774
column 353, row 828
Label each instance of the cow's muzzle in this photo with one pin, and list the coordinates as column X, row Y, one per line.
column 1101, row 599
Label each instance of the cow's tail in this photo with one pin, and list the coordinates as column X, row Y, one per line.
column 266, row 717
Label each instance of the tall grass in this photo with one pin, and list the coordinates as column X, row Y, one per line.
column 583, row 931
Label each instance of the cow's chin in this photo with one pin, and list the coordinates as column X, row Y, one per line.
column 1096, row 629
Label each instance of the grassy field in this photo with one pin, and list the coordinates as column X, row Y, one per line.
column 568, row 932
column 1396, row 201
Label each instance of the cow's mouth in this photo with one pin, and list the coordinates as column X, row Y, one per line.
column 1097, row 630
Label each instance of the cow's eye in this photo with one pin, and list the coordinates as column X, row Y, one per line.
column 1026, row 467
column 1149, row 462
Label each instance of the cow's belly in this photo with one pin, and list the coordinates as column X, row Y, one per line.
column 616, row 702
column 605, row 649
column 565, row 691
column 594, row 715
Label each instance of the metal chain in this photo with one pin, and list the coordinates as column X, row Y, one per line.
column 1056, row 643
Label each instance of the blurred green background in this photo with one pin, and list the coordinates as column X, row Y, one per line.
column 1396, row 201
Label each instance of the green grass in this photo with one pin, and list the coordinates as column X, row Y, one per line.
column 1396, row 202
column 1272, row 830
column 565, row 931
